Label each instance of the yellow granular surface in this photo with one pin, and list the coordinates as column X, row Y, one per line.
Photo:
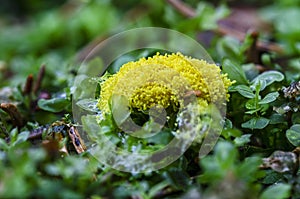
column 165, row 80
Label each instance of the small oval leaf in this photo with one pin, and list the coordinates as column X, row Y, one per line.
column 293, row 134
column 268, row 78
column 53, row 105
column 3, row 145
column 256, row 123
column 241, row 141
column 88, row 105
column 270, row 97
column 22, row 137
column 276, row 191
column 234, row 71
column 120, row 108
column 244, row 91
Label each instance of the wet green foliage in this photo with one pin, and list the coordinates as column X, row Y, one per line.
column 260, row 117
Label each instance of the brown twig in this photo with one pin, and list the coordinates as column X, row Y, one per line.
column 223, row 28
column 28, row 85
column 252, row 53
column 262, row 68
column 40, row 77
column 183, row 8
column 14, row 114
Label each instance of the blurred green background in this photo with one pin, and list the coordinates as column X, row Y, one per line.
column 58, row 33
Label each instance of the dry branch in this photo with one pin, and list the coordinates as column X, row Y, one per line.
column 40, row 77
column 14, row 114
column 224, row 28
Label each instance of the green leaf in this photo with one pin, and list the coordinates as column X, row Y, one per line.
column 212, row 170
column 293, row 134
column 253, row 111
column 278, row 191
column 266, row 59
column 271, row 177
column 256, row 123
column 248, row 169
column 250, row 70
column 241, row 141
column 53, row 105
column 270, row 97
column 267, row 78
column 234, row 71
column 277, row 119
column 88, row 105
column 119, row 107
column 227, row 133
column 244, row 91
column 3, row 145
column 158, row 187
column 227, row 124
column 225, row 155
column 119, row 62
column 84, row 87
column 178, row 178
column 229, row 47
column 22, row 137
column 296, row 118
column 14, row 135
column 251, row 104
